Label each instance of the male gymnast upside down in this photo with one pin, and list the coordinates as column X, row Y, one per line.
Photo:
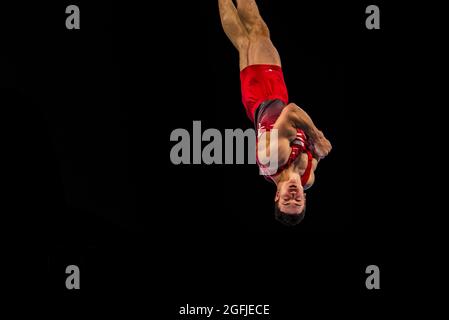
column 300, row 144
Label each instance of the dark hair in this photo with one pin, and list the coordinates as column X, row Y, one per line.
column 288, row 219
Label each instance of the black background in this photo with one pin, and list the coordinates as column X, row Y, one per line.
column 90, row 113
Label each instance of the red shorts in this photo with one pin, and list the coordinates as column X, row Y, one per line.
column 260, row 82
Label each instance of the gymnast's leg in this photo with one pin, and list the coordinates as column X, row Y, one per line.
column 234, row 29
column 260, row 48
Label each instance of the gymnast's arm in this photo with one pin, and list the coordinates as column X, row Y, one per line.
column 295, row 117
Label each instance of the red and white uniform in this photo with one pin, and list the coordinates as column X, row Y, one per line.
column 261, row 82
column 264, row 95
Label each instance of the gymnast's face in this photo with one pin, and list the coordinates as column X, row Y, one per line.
column 291, row 196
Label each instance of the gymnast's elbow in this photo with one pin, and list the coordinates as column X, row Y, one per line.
column 295, row 114
column 292, row 107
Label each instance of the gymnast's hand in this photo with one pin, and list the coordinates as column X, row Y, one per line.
column 319, row 144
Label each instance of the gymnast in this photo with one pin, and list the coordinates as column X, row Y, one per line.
column 299, row 144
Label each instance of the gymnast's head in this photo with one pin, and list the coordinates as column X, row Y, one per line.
column 290, row 201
